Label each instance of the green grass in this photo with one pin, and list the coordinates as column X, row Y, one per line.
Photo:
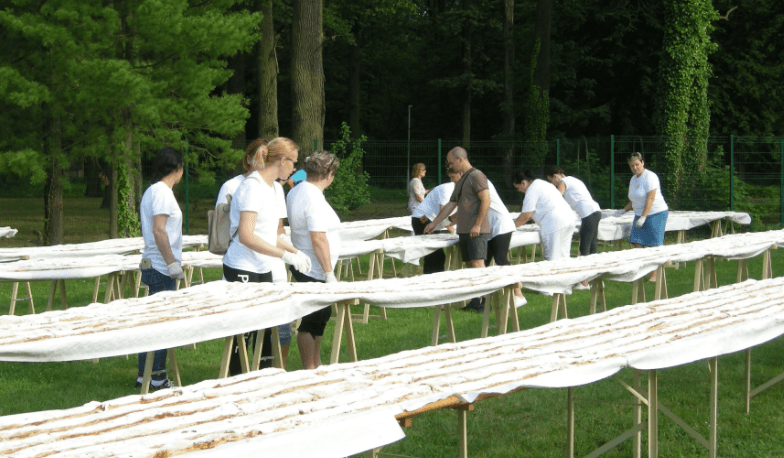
column 530, row 423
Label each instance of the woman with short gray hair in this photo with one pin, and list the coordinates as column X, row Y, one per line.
column 314, row 231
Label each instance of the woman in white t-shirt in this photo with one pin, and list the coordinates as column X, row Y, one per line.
column 416, row 190
column 502, row 227
column 161, row 224
column 314, row 230
column 549, row 210
column 229, row 188
column 650, row 209
column 255, row 246
column 427, row 212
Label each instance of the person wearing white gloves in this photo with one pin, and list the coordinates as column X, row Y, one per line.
column 250, row 164
column 161, row 224
column 255, row 218
column 579, row 198
column 314, row 230
column 549, row 210
column 650, row 209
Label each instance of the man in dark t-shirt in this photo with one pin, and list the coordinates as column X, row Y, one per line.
column 472, row 199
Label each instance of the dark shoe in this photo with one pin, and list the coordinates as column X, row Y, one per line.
column 164, row 385
column 475, row 305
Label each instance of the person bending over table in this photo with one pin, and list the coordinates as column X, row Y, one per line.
column 579, row 198
column 549, row 210
column 472, row 200
column 161, row 224
column 255, row 220
column 650, row 209
column 250, row 164
column 314, row 230
column 416, row 190
column 426, row 212
column 501, row 229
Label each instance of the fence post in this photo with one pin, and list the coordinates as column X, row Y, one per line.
column 315, row 145
column 612, row 171
column 558, row 153
column 781, row 187
column 187, row 194
column 732, row 172
column 439, row 161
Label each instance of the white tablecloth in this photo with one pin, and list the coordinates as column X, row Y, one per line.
column 343, row 407
column 6, row 232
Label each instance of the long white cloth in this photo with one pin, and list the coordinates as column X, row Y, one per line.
column 330, row 406
column 104, row 247
column 6, row 232
column 219, row 309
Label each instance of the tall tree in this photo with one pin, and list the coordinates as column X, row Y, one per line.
column 507, row 106
column 307, row 74
column 267, row 74
column 683, row 115
column 111, row 81
column 538, row 105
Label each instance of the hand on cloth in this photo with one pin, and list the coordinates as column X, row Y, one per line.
column 619, row 213
column 299, row 260
column 330, row 277
column 640, row 222
column 175, row 271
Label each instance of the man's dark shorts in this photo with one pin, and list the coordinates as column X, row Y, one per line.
column 473, row 248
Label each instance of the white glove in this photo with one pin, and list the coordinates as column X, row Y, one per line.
column 330, row 277
column 299, row 260
column 640, row 221
column 175, row 271
column 619, row 213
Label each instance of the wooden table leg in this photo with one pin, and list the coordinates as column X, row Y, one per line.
column 147, row 372
column 223, row 372
column 175, row 369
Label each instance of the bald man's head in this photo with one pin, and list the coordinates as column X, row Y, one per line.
column 457, row 159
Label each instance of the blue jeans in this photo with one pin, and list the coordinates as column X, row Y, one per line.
column 156, row 282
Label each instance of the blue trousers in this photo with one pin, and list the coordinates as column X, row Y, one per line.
column 156, row 282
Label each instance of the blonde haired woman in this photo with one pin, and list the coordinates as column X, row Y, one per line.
column 255, row 219
column 416, row 190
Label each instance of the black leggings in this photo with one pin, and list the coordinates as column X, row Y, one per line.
column 244, row 276
column 433, row 262
column 589, row 234
column 497, row 248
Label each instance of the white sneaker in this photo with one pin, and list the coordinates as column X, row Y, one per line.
column 546, row 293
column 581, row 287
column 519, row 301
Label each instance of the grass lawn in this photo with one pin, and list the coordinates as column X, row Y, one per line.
column 530, row 423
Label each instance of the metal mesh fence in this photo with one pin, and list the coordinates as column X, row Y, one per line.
column 741, row 174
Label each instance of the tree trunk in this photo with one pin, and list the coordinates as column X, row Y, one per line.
column 236, row 85
column 53, row 188
column 538, row 109
column 467, row 30
column 508, row 106
column 307, row 75
column 354, row 89
column 113, row 228
column 267, row 74
column 544, row 11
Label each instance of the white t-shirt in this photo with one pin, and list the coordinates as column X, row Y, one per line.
column 501, row 222
column 579, row 198
column 550, row 210
column 229, row 187
column 279, row 274
column 638, row 193
column 310, row 212
column 256, row 196
column 415, row 188
column 159, row 199
column 437, row 197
